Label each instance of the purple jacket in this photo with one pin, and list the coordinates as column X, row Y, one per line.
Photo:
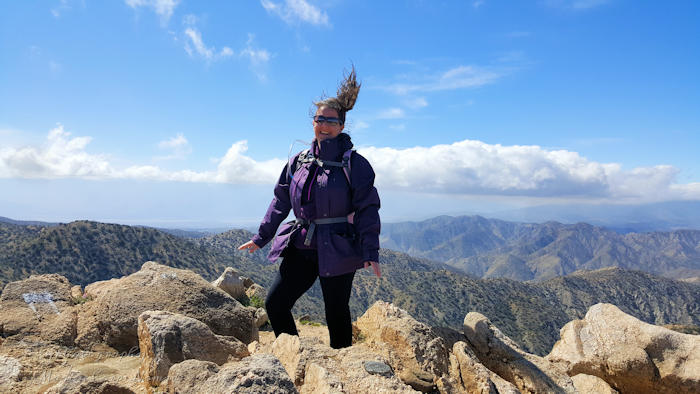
column 342, row 247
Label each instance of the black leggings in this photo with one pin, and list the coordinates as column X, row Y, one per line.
column 298, row 272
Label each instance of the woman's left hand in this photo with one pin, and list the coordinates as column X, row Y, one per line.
column 375, row 267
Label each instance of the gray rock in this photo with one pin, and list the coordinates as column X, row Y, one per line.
column 187, row 376
column 259, row 374
column 378, row 368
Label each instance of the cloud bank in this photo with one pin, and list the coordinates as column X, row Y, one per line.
column 462, row 168
column 63, row 156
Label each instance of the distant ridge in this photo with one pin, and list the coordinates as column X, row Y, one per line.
column 661, row 216
column 26, row 222
column 492, row 248
column 531, row 313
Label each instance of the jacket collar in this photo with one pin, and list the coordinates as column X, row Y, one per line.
column 332, row 149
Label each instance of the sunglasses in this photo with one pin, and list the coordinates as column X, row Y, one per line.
column 320, row 119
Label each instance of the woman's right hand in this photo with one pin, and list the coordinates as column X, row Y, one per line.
column 250, row 245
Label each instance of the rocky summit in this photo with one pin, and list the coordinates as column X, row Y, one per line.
column 167, row 330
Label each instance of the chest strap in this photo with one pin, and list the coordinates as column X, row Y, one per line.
column 312, row 225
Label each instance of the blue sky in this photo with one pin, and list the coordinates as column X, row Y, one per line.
column 182, row 113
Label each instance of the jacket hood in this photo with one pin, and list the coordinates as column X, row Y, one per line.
column 332, row 149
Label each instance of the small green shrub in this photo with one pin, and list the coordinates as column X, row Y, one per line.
column 256, row 301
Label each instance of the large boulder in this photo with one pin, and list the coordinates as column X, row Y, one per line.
column 418, row 355
column 259, row 374
column 629, row 354
column 112, row 316
column 40, row 306
column 166, row 339
column 500, row 354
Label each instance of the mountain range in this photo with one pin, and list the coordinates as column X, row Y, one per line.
column 433, row 292
column 492, row 248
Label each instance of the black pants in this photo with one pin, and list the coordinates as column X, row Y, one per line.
column 297, row 274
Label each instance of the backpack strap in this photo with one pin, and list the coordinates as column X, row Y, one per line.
column 345, row 164
column 304, row 157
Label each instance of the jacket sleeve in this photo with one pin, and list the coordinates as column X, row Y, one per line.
column 277, row 211
column 365, row 202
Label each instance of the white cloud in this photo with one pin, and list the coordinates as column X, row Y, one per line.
column 63, row 156
column 297, row 11
column 359, row 125
column 477, row 3
column 178, row 147
column 391, row 113
column 416, row 103
column 465, row 167
column 460, row 77
column 163, row 8
column 209, row 54
column 60, row 157
column 475, row 168
column 258, row 58
column 190, row 20
column 58, row 10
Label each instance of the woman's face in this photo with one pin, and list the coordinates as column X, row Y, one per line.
column 328, row 125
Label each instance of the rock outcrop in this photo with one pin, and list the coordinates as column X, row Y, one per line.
column 259, row 374
column 592, row 384
column 10, row 369
column 232, row 283
column 166, row 339
column 40, row 306
column 528, row 372
column 418, row 355
column 629, row 354
column 111, row 317
column 76, row 382
column 195, row 338
column 469, row 374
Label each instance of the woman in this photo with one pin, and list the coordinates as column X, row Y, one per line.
column 331, row 190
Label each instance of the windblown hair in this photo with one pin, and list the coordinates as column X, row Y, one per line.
column 345, row 96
